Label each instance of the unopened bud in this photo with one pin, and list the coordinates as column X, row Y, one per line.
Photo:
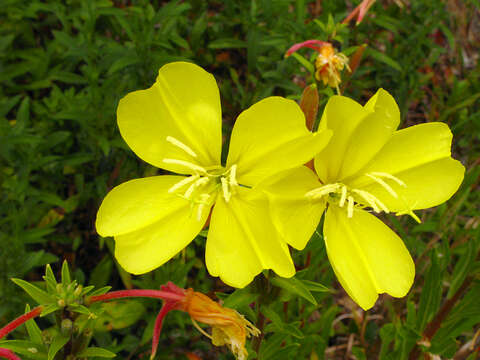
column 78, row 290
column 66, row 325
column 61, row 303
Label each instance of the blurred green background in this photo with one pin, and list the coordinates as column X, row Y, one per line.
column 64, row 65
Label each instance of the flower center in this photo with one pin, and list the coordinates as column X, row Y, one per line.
column 202, row 187
column 342, row 195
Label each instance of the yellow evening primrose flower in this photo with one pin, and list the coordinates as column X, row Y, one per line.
column 368, row 166
column 176, row 125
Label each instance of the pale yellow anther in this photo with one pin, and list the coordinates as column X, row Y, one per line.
column 183, row 182
column 181, row 145
column 350, row 206
column 389, row 176
column 343, row 197
column 226, row 191
column 384, row 184
column 201, row 205
column 195, row 185
column 232, row 178
column 187, row 164
column 323, row 190
column 369, row 198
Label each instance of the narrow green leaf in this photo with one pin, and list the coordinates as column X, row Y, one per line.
column 34, row 332
column 377, row 55
column 57, row 344
column 295, row 286
column 66, row 279
column 96, row 351
column 40, row 296
column 303, row 61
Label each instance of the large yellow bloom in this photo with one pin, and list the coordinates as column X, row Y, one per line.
column 176, row 125
column 367, row 164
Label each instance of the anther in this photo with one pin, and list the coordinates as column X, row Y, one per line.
column 344, row 196
column 195, row 185
column 186, row 164
column 323, row 190
column 232, row 178
column 384, row 184
column 202, row 203
column 183, row 182
column 389, row 176
column 226, row 192
column 369, row 198
column 350, row 206
column 181, row 145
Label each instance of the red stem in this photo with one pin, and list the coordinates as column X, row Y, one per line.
column 7, row 354
column 20, row 320
column 158, row 294
column 166, row 308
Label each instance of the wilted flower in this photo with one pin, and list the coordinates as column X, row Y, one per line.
column 368, row 164
column 328, row 64
column 228, row 326
column 176, row 125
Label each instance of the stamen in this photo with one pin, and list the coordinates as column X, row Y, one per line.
column 201, row 205
column 389, row 176
column 187, row 164
column 343, row 197
column 323, row 190
column 232, row 178
column 369, row 198
column 181, row 145
column 350, row 206
column 384, row 184
column 196, row 185
column 182, row 183
column 411, row 214
column 200, row 329
column 226, row 192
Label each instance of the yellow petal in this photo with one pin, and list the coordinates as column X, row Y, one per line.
column 367, row 257
column 138, row 203
column 150, row 247
column 269, row 137
column 359, row 133
column 420, row 157
column 295, row 216
column 184, row 104
column 242, row 241
column 372, row 133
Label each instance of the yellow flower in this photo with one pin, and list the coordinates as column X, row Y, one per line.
column 368, row 166
column 176, row 125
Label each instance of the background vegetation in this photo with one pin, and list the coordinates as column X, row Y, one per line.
column 65, row 64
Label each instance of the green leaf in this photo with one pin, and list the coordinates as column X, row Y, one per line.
column 377, row 55
column 294, row 286
column 66, row 279
column 229, row 43
column 96, row 351
column 34, row 332
column 315, row 286
column 57, row 344
column 50, row 279
column 40, row 296
column 278, row 325
column 303, row 61
column 239, row 298
column 28, row 348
